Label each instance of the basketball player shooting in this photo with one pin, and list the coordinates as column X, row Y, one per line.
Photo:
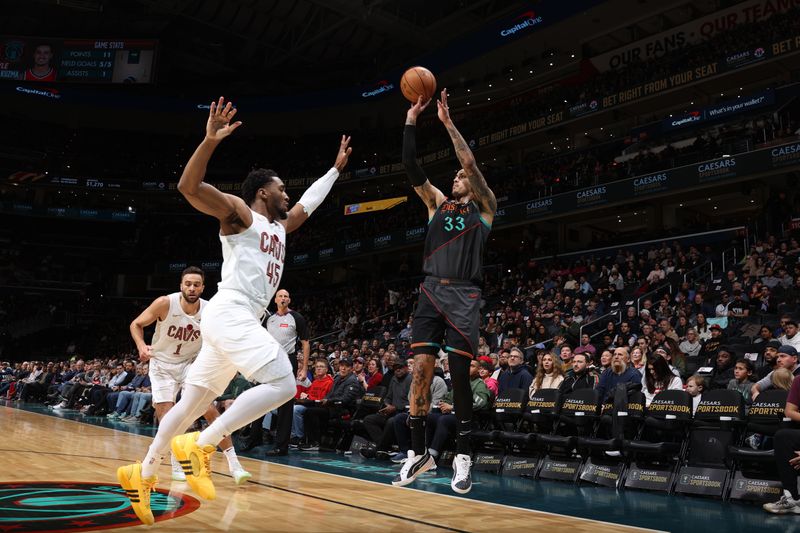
column 449, row 302
column 253, row 232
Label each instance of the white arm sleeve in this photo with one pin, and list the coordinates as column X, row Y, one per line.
column 317, row 192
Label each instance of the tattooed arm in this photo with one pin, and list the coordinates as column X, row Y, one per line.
column 481, row 192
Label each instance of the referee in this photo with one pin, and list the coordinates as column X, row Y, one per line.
column 288, row 327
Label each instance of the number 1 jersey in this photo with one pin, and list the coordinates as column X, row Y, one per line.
column 177, row 337
column 455, row 242
column 252, row 261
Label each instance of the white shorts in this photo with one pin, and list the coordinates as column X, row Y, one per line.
column 166, row 379
column 234, row 341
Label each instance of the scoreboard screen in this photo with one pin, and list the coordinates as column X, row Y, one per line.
column 77, row 60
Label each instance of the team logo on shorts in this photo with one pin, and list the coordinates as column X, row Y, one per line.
column 77, row 506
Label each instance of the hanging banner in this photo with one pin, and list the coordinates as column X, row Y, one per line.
column 376, row 205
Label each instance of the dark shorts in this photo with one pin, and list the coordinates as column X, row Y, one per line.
column 447, row 312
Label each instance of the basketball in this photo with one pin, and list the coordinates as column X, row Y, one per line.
column 416, row 82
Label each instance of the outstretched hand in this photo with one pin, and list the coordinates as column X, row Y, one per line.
column 344, row 153
column 443, row 110
column 219, row 120
column 416, row 109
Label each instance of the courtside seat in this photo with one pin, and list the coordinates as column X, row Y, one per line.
column 508, row 409
column 578, row 413
column 664, row 427
column 631, row 420
column 540, row 415
column 765, row 417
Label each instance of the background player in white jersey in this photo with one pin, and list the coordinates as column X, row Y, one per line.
column 253, row 232
column 176, row 342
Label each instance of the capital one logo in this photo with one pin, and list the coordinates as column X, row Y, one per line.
column 382, row 87
column 522, row 22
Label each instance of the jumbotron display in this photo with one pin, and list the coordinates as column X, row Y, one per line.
column 77, row 60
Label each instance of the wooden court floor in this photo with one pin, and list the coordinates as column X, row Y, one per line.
column 39, row 448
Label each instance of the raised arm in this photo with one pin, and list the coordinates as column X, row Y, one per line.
column 231, row 211
column 429, row 194
column 318, row 190
column 481, row 192
column 155, row 311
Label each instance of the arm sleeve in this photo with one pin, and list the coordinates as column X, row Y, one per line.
column 302, row 326
column 415, row 172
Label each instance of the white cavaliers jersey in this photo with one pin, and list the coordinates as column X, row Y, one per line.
column 177, row 337
column 252, row 261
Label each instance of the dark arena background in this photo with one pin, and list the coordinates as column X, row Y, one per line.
column 645, row 158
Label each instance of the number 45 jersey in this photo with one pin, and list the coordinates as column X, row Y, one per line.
column 177, row 338
column 252, row 261
column 455, row 242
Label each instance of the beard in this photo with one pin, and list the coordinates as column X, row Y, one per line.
column 503, row 364
column 191, row 299
column 618, row 367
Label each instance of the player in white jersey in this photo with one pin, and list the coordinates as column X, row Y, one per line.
column 253, row 232
column 176, row 342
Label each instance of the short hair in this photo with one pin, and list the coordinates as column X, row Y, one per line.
column 193, row 270
column 699, row 380
column 255, row 180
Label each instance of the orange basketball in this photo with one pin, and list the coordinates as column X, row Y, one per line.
column 416, row 82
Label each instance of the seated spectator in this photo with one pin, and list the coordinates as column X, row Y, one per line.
column 580, row 376
column 123, row 407
column 340, row 400
column 586, row 346
column 549, row 375
column 791, row 336
column 723, row 368
column 691, row 346
column 485, row 371
column 695, row 386
column 37, row 390
column 710, row 347
column 605, row 361
column 318, row 389
column 620, row 371
column 378, row 425
column 565, row 354
column 658, row 377
column 787, row 459
column 517, row 376
column 638, row 359
column 502, row 363
column 770, row 358
column 741, row 382
column 787, row 358
column 372, row 377
column 782, row 379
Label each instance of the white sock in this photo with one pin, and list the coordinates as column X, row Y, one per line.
column 233, row 461
column 433, row 453
column 193, row 404
column 175, row 466
column 250, row 405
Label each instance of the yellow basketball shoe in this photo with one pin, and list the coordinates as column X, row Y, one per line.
column 196, row 463
column 138, row 490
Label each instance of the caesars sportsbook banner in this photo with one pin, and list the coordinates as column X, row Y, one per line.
column 714, row 170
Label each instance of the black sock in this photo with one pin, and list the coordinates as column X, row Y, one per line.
column 417, row 425
column 462, row 400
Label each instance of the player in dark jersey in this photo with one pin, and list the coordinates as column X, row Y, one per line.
column 449, row 302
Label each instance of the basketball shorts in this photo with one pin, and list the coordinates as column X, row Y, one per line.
column 447, row 317
column 234, row 341
column 166, row 379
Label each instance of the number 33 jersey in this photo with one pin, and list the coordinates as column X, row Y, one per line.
column 252, row 261
column 177, row 337
column 454, row 245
